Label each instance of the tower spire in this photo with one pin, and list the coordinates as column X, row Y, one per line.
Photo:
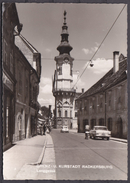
column 65, row 17
column 64, row 46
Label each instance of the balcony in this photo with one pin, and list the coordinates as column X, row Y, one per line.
column 64, row 89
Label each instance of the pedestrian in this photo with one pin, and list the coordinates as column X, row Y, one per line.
column 86, row 131
column 44, row 129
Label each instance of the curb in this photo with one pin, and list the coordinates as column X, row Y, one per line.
column 41, row 155
column 119, row 140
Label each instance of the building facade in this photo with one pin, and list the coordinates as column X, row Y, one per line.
column 62, row 83
column 9, row 23
column 27, row 73
column 105, row 103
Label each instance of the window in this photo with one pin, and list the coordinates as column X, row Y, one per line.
column 101, row 105
column 110, row 124
column 60, row 70
column 20, row 122
column 71, row 114
column 109, row 102
column 119, row 100
column 76, row 105
column 76, row 115
column 71, row 70
column 66, row 114
column 20, row 82
column 5, row 52
column 7, row 120
column 11, row 64
column 93, row 106
column 59, row 113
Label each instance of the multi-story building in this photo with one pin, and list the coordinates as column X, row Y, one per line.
column 105, row 103
column 63, row 78
column 75, row 110
column 27, row 73
column 9, row 23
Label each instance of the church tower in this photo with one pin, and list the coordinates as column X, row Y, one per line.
column 63, row 80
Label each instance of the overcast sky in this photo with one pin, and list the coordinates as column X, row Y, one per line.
column 88, row 24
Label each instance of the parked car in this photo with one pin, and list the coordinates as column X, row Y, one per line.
column 64, row 129
column 100, row 132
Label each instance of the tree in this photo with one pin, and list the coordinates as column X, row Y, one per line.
column 45, row 111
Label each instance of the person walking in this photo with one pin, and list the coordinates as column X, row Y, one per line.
column 44, row 129
column 86, row 131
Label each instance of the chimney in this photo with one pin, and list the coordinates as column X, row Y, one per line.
column 115, row 61
column 82, row 90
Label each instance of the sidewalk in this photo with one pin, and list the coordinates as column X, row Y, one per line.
column 27, row 151
column 43, row 171
column 111, row 138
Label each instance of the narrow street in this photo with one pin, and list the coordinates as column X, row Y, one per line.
column 80, row 159
column 65, row 156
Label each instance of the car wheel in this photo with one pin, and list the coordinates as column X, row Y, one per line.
column 107, row 138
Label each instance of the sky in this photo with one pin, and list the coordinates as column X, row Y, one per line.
column 88, row 25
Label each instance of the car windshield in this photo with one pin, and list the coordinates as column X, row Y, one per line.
column 65, row 127
column 101, row 128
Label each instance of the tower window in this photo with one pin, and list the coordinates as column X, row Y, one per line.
column 66, row 113
column 59, row 113
column 59, row 70
column 71, row 114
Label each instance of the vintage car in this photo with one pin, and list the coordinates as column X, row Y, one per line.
column 64, row 129
column 100, row 132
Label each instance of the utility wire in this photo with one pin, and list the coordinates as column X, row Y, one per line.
column 75, row 60
column 99, row 45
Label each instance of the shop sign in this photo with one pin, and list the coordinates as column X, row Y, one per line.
column 7, row 82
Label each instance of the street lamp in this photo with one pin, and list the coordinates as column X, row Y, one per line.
column 91, row 63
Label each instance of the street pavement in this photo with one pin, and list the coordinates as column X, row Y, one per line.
column 35, row 158
column 80, row 159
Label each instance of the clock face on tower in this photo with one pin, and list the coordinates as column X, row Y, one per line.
column 66, row 60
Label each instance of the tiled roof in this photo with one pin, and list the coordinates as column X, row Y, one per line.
column 109, row 80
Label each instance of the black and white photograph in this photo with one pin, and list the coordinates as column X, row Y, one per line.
column 65, row 91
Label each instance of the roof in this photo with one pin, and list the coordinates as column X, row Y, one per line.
column 26, row 48
column 109, row 80
column 28, row 44
column 77, row 94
